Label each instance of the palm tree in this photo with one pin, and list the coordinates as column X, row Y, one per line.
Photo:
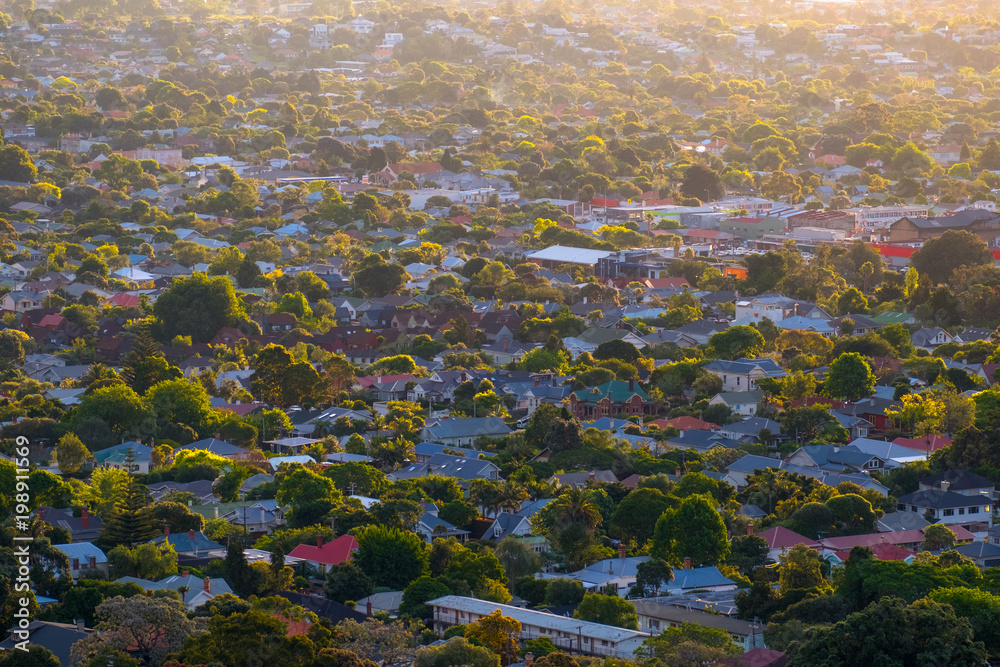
column 575, row 507
column 511, row 495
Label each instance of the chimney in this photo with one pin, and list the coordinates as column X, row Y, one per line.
column 319, row 541
column 93, row 563
column 218, row 436
column 215, row 510
column 41, row 509
column 750, row 529
column 593, row 475
column 621, row 551
column 529, row 659
column 191, row 534
column 185, row 573
column 677, row 472
column 85, row 518
column 208, row 585
column 166, row 531
column 945, row 486
column 368, row 608
column 687, row 563
column 263, row 520
column 536, row 382
column 81, row 625
column 631, row 385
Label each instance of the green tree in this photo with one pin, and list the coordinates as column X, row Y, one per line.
column 182, row 402
column 376, row 278
column 117, row 406
column 636, row 515
column 938, row 537
column 702, row 183
column 850, row 378
column 939, row 257
column 608, row 610
column 391, row 557
column 16, row 164
column 736, row 342
column 418, row 593
column 346, row 581
column 456, row 651
column 71, row 453
column 198, row 307
column 923, row 633
column 800, row 568
column 694, row 530
column 691, row 644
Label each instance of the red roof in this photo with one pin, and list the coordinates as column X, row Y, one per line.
column 668, row 283
column 331, row 553
column 894, row 250
column 599, row 201
column 933, row 442
column 124, row 300
column 780, row 537
column 369, row 380
column 882, row 551
column 51, row 321
column 895, row 537
column 687, row 423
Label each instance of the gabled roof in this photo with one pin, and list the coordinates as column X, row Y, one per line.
column 334, row 552
column 780, row 537
column 943, row 500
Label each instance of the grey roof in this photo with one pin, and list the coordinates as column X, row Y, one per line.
column 897, row 521
column 448, row 466
column 431, row 448
column 183, row 542
column 702, row 577
column 470, row 427
column 942, row 499
column 837, row 457
column 220, row 447
column 958, row 480
column 753, row 463
column 56, row 637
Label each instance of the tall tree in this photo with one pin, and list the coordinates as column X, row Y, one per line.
column 694, row 530
column 850, row 378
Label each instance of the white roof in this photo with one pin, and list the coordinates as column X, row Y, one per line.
column 537, row 618
column 558, row 253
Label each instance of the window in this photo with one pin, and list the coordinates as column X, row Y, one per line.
column 949, row 512
column 961, row 510
column 974, row 510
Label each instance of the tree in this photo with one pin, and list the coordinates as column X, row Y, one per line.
column 801, row 568
column 33, row 656
column 651, row 575
column 636, row 515
column 702, row 182
column 12, row 350
column 346, row 581
column 980, row 608
column 418, row 594
column 376, row 278
column 391, row 557
column 130, row 523
column 496, row 632
column 782, row 186
column 71, row 453
column 456, row 651
column 198, row 307
column 736, row 342
column 850, row 378
column 282, row 380
column 118, row 407
column 617, row 349
column 182, row 402
column 940, row 256
column 747, row 553
column 375, row 640
column 691, row 645
column 608, row 610
column 923, row 633
column 938, row 537
column 852, row 301
column 517, row 558
column 16, row 164
column 694, row 530
column 148, row 628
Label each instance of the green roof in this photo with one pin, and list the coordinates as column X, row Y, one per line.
column 890, row 317
column 617, row 391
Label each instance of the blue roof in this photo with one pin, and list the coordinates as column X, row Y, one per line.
column 182, row 542
column 432, row 448
column 752, row 462
column 702, row 577
column 119, row 452
column 220, row 447
column 82, row 551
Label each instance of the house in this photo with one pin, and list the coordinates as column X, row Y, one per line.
column 465, row 431
column 738, row 471
column 18, row 302
column 324, row 555
column 698, row 579
column 984, row 554
column 84, row 557
column 618, row 572
column 128, row 454
column 743, row 403
column 611, row 398
column 194, row 591
column 836, row 458
column 928, row 339
column 568, row 634
column 517, row 524
column 658, row 614
column 780, row 539
column 193, row 542
column 963, row 482
column 84, row 528
column 582, row 479
column 947, row 507
column 742, row 374
column 219, row 448
column 445, row 465
column 56, row 637
column 431, row 526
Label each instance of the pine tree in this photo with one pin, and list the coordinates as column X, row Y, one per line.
column 143, row 347
column 237, row 571
column 130, row 523
column 966, row 152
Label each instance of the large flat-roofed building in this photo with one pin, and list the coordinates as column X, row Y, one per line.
column 557, row 255
column 844, row 221
column 568, row 634
column 981, row 222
